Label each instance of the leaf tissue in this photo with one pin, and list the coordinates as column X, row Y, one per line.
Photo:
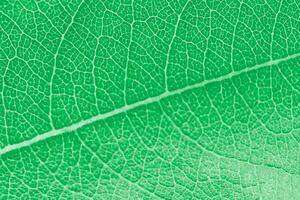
column 150, row 99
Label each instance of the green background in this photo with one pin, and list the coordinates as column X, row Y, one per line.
column 153, row 99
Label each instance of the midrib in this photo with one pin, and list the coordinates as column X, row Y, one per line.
column 91, row 120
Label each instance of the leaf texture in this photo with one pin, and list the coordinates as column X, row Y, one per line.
column 154, row 99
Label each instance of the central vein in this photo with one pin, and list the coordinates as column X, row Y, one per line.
column 150, row 100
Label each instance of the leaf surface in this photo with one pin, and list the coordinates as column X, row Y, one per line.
column 150, row 99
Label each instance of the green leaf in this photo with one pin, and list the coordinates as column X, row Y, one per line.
column 150, row 99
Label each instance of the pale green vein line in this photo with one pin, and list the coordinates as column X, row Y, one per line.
column 122, row 177
column 55, row 61
column 171, row 43
column 126, row 108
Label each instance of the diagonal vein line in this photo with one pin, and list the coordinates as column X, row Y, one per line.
column 150, row 100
